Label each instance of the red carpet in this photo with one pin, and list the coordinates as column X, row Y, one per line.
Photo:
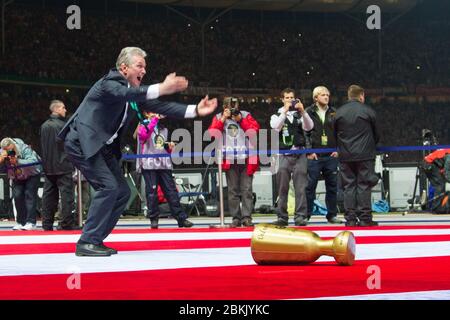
column 220, row 282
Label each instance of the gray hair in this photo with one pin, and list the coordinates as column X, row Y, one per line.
column 6, row 142
column 127, row 54
column 54, row 104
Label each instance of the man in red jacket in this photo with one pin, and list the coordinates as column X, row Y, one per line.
column 236, row 130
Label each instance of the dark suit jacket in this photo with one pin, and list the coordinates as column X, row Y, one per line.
column 100, row 113
column 356, row 132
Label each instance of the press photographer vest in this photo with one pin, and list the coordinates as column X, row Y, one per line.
column 291, row 134
column 234, row 139
column 155, row 145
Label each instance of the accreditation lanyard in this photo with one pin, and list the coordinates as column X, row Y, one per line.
column 323, row 138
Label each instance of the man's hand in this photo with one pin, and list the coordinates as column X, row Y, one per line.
column 206, row 106
column 299, row 106
column 172, row 84
column 312, row 156
column 286, row 107
column 226, row 114
column 335, row 154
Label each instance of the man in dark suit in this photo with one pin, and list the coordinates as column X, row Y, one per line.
column 92, row 139
column 356, row 136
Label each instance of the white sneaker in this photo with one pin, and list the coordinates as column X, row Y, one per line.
column 29, row 226
column 18, row 227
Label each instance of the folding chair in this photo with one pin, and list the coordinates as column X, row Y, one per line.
column 195, row 198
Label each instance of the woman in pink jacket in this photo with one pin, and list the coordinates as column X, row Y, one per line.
column 153, row 140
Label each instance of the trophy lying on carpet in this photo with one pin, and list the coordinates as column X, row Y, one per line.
column 283, row 245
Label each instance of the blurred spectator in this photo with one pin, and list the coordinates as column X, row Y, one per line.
column 14, row 153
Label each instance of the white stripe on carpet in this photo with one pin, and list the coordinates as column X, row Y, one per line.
column 416, row 295
column 127, row 237
column 32, row 264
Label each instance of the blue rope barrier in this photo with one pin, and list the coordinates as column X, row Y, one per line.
column 267, row 152
column 284, row 152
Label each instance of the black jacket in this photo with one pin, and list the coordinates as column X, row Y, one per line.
column 296, row 133
column 356, row 132
column 101, row 112
column 315, row 135
column 54, row 159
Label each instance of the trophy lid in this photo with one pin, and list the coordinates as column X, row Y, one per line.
column 344, row 246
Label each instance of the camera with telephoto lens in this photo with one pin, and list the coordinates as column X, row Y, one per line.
column 234, row 106
column 9, row 154
column 235, row 112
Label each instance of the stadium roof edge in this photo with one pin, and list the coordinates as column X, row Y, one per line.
column 291, row 5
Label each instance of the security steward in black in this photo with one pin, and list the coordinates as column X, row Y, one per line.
column 356, row 136
column 58, row 172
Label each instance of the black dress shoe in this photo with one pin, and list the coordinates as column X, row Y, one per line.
column 335, row 220
column 113, row 251
column 281, row 222
column 368, row 223
column 247, row 222
column 185, row 223
column 236, row 223
column 154, row 223
column 91, row 250
column 351, row 223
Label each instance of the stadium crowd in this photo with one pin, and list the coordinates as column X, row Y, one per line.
column 243, row 51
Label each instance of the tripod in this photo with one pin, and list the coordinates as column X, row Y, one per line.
column 422, row 192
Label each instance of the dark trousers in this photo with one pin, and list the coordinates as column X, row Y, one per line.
column 164, row 178
column 53, row 186
column 358, row 179
column 111, row 194
column 25, row 199
column 328, row 167
column 240, row 189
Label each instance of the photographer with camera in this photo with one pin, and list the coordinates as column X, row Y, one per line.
column 15, row 153
column 152, row 139
column 436, row 167
column 236, row 129
column 291, row 122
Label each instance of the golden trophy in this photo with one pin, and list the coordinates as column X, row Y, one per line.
column 283, row 245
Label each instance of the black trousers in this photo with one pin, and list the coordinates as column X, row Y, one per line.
column 53, row 186
column 111, row 195
column 164, row 178
column 25, row 194
column 358, row 178
column 328, row 167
